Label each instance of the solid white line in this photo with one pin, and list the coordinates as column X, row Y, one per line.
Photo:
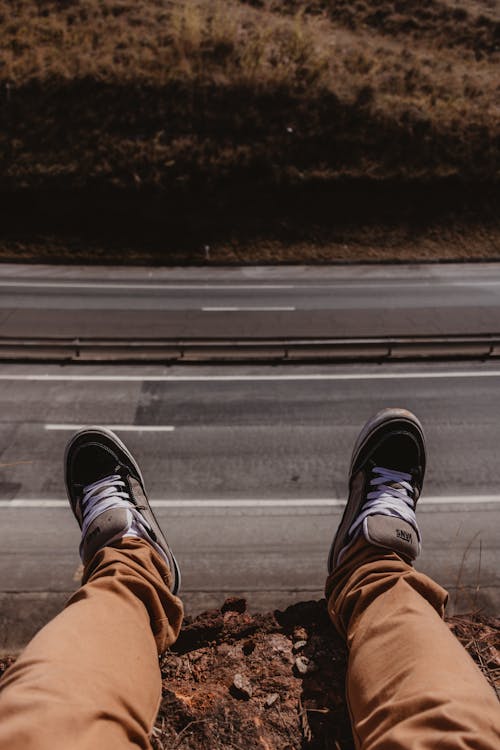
column 258, row 503
column 248, row 309
column 340, row 284
column 465, row 282
column 116, row 427
column 459, row 500
column 45, row 377
column 145, row 286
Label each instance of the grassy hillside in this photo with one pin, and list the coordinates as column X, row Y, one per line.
column 190, row 110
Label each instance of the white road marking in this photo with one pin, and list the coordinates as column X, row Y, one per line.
column 145, row 286
column 248, row 309
column 46, row 377
column 116, row 427
column 341, row 283
column 257, row 502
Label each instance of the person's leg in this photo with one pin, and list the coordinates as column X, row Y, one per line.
column 90, row 678
column 410, row 684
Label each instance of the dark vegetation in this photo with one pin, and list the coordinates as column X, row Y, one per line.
column 266, row 130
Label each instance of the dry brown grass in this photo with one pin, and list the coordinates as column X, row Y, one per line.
column 155, row 42
column 480, row 636
column 343, row 94
column 197, row 97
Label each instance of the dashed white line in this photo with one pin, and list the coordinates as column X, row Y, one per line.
column 248, row 309
column 115, row 427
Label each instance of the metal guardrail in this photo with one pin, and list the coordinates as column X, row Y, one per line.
column 367, row 349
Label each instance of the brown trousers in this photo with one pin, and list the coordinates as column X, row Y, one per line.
column 90, row 679
column 410, row 684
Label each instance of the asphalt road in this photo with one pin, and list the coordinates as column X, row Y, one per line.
column 247, row 468
column 249, row 302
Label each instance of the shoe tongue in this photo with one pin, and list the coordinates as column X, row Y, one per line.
column 393, row 533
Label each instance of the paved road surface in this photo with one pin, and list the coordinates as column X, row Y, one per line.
column 252, row 302
column 247, row 468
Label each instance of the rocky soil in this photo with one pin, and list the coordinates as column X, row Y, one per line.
column 274, row 681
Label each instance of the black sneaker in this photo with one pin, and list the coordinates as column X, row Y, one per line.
column 385, row 482
column 106, row 491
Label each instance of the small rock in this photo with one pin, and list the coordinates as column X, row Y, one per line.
column 270, row 699
column 299, row 634
column 242, row 686
column 278, row 643
column 298, row 646
column 303, row 665
column 234, row 604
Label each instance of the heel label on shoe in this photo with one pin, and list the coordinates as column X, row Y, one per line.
column 392, row 533
column 404, row 535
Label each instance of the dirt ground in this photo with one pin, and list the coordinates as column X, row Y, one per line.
column 356, row 221
column 445, row 244
column 273, row 681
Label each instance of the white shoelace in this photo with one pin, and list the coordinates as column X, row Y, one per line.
column 392, row 496
column 105, row 494
column 101, row 496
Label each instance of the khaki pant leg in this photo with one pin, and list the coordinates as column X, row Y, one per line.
column 90, row 678
column 410, row 684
